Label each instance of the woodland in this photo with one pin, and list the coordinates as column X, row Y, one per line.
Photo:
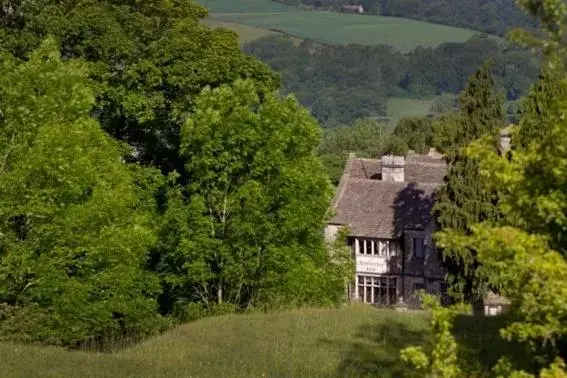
column 340, row 84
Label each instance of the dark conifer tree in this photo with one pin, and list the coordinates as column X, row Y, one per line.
column 464, row 200
column 535, row 106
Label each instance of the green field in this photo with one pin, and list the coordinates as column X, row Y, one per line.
column 245, row 33
column 399, row 107
column 334, row 28
column 355, row 341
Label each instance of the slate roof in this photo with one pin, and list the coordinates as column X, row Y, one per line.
column 383, row 209
column 418, row 168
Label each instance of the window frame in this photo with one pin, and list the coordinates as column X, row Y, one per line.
column 421, row 243
column 376, row 247
column 369, row 288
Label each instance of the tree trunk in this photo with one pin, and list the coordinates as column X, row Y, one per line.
column 219, row 293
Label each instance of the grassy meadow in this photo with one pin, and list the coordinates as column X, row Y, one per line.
column 334, row 28
column 347, row 342
column 399, row 107
column 245, row 33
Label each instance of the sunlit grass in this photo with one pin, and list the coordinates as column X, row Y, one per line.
column 399, row 107
column 353, row 341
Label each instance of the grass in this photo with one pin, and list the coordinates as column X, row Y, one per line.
column 399, row 107
column 245, row 33
column 355, row 341
column 334, row 28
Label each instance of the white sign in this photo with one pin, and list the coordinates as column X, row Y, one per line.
column 371, row 264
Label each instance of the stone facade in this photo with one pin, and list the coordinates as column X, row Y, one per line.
column 386, row 204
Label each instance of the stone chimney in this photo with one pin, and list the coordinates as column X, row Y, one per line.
column 505, row 140
column 393, row 168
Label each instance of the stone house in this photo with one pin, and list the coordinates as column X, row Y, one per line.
column 386, row 204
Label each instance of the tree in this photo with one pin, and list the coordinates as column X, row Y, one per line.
column 74, row 232
column 417, row 132
column 366, row 138
column 464, row 200
column 249, row 220
column 526, row 248
column 150, row 60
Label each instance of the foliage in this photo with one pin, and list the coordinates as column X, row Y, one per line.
column 246, row 228
column 366, row 138
column 465, row 200
column 495, row 16
column 342, row 83
column 527, row 249
column 74, row 231
column 417, row 132
column 443, row 360
column 150, row 60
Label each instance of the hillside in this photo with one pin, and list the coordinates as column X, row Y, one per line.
column 489, row 16
column 340, row 84
column 353, row 341
column 334, row 28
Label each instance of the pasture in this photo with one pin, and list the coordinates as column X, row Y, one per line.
column 245, row 33
column 399, row 107
column 346, row 342
column 334, row 28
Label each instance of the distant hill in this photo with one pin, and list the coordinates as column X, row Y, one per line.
column 334, row 28
column 489, row 16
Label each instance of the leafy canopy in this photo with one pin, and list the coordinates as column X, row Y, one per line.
column 526, row 248
column 150, row 59
column 249, row 220
column 73, row 234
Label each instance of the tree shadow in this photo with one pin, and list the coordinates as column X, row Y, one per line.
column 376, row 350
column 481, row 346
column 412, row 208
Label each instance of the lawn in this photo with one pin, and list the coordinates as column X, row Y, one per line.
column 334, row 28
column 354, row 341
column 399, row 107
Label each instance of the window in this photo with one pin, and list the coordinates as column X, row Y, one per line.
column 381, row 247
column 418, row 248
column 377, row 290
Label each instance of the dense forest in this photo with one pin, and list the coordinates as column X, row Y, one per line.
column 489, row 16
column 340, row 84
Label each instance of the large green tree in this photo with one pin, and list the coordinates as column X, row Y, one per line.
column 74, row 232
column 527, row 248
column 247, row 226
column 464, row 200
column 150, row 59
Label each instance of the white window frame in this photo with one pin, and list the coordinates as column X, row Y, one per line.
column 376, row 247
column 366, row 288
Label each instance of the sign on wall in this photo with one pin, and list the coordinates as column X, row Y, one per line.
column 371, row 264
